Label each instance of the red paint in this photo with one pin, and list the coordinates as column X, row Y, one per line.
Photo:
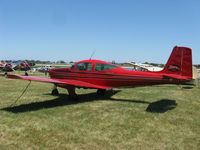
column 99, row 74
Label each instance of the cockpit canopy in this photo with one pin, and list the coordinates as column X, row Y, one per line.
column 93, row 65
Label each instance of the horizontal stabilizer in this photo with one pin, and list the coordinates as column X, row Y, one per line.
column 178, row 77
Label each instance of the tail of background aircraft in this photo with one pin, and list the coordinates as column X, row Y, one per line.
column 180, row 62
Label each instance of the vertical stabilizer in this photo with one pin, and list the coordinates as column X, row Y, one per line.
column 180, row 62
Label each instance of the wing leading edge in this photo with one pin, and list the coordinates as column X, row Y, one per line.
column 70, row 82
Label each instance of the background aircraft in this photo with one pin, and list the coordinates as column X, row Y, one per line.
column 9, row 66
column 6, row 66
column 21, row 65
column 101, row 75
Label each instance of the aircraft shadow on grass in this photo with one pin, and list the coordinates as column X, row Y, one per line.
column 160, row 106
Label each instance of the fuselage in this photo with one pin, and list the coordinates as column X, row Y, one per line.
column 101, row 75
column 106, row 74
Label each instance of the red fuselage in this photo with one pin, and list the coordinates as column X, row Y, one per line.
column 101, row 75
column 106, row 74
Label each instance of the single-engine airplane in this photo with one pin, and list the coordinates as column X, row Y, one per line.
column 101, row 75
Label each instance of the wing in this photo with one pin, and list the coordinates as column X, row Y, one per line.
column 70, row 82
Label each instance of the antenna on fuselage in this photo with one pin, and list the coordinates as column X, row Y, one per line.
column 92, row 54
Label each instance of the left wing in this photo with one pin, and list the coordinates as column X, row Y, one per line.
column 70, row 82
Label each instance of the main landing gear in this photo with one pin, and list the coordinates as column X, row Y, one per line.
column 101, row 92
column 71, row 91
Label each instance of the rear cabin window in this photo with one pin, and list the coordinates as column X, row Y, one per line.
column 84, row 66
column 101, row 67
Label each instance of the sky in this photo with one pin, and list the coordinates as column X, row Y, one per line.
column 120, row 30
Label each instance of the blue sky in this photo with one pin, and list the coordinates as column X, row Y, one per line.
column 121, row 30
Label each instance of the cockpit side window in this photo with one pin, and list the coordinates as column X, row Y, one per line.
column 101, row 67
column 84, row 66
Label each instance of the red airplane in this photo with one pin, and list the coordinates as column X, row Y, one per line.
column 101, row 75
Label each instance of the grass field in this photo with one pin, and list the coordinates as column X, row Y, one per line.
column 156, row 117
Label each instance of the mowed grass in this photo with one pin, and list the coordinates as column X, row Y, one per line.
column 155, row 117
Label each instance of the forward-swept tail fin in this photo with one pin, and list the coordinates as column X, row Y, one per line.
column 179, row 62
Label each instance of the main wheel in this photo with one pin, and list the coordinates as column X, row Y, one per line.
column 101, row 92
column 55, row 92
column 73, row 97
